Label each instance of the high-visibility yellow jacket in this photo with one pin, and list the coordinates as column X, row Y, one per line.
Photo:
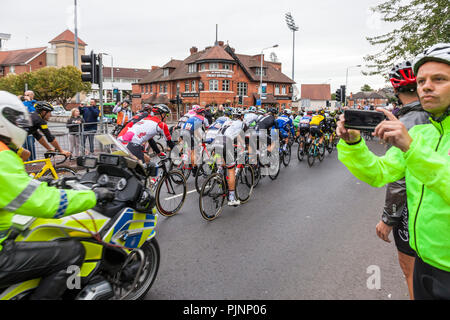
column 20, row 194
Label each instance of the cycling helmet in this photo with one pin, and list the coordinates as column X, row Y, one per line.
column 439, row 52
column 252, row 109
column 147, row 107
column 237, row 113
column 402, row 76
column 161, row 109
column 14, row 119
column 200, row 111
column 287, row 112
column 43, row 106
column 227, row 112
column 196, row 107
column 273, row 111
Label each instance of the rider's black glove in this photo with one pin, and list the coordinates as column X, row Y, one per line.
column 103, row 195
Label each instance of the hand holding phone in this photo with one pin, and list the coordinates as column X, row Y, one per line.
column 363, row 119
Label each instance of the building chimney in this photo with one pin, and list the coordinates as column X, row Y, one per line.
column 193, row 50
column 155, row 67
column 221, row 43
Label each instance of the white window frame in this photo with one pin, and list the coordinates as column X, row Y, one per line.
column 213, row 85
column 277, row 89
column 192, row 68
column 242, row 89
column 226, row 66
column 166, row 72
column 186, row 86
column 227, row 86
column 283, row 89
column 213, row 66
column 193, row 86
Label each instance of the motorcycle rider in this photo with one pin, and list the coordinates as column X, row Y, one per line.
column 20, row 194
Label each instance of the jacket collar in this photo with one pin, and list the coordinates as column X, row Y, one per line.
column 443, row 126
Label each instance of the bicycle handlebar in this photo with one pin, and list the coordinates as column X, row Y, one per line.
column 51, row 154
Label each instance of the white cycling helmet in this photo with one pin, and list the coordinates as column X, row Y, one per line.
column 14, row 119
column 196, row 107
column 439, row 52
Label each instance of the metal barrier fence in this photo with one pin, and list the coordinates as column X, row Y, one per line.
column 78, row 142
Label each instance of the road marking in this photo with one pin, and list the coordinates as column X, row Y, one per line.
column 180, row 195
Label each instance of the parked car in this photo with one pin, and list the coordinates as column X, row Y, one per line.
column 60, row 111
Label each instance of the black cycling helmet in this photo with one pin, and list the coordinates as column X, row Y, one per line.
column 161, row 109
column 146, row 107
column 273, row 110
column 43, row 106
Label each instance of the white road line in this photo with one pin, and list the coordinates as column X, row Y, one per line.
column 180, row 195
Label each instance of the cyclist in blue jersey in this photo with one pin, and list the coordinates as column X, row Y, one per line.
column 285, row 124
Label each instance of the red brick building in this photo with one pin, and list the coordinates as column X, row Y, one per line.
column 214, row 76
column 21, row 61
column 367, row 98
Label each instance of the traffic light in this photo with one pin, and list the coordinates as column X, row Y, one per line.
column 90, row 68
column 241, row 100
column 343, row 94
column 338, row 95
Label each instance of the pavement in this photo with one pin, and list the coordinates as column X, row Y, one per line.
column 308, row 235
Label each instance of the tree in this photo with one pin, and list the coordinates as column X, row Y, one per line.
column 423, row 23
column 58, row 85
column 366, row 88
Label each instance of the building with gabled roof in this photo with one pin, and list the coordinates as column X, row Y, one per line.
column 214, row 76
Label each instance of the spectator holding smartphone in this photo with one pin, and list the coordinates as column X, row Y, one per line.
column 422, row 157
column 90, row 116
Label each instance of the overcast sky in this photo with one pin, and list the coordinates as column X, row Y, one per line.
column 139, row 34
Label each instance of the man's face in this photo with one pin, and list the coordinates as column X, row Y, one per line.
column 92, row 104
column 47, row 115
column 433, row 86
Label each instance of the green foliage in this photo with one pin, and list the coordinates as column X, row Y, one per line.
column 423, row 23
column 57, row 85
column 366, row 88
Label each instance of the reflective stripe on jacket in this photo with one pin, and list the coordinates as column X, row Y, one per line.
column 20, row 194
column 426, row 168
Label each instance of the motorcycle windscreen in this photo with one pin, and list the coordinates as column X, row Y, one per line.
column 117, row 147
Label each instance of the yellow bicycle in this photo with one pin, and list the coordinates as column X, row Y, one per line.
column 46, row 169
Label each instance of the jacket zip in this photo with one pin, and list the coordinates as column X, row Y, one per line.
column 421, row 197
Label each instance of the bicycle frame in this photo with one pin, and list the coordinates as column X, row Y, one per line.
column 47, row 166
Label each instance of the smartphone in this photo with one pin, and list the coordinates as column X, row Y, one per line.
column 363, row 119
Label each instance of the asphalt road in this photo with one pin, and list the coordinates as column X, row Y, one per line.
column 308, row 235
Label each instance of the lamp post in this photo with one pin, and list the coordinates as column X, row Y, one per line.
column 346, row 82
column 261, row 71
column 75, row 56
column 112, row 70
column 293, row 27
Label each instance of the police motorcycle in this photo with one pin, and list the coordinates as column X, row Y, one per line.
column 122, row 254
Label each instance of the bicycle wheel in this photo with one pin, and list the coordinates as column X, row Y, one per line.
column 287, row 156
column 212, row 197
column 321, row 150
column 311, row 155
column 245, row 183
column 301, row 150
column 61, row 172
column 182, row 167
column 275, row 167
column 171, row 193
column 152, row 154
column 257, row 175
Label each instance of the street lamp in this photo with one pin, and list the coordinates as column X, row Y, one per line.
column 75, row 56
column 346, row 82
column 112, row 70
column 261, row 71
column 293, row 27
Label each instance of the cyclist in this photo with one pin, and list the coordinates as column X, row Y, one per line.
column 216, row 126
column 20, row 194
column 232, row 133
column 145, row 130
column 266, row 124
column 251, row 117
column 39, row 120
column 405, row 87
column 422, row 157
column 317, row 125
column 285, row 125
column 194, row 129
